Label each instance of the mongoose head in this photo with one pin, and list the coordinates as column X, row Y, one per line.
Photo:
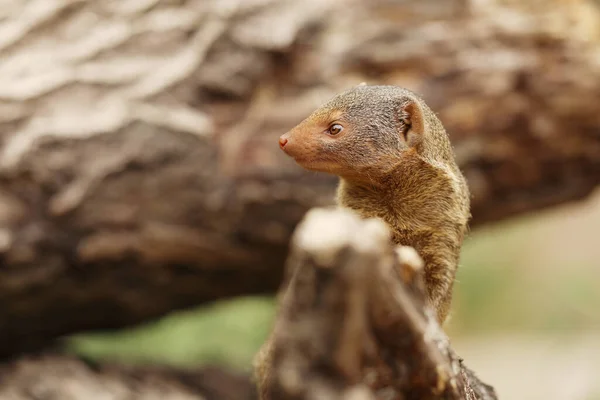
column 365, row 132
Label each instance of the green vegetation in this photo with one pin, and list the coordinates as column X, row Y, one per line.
column 227, row 333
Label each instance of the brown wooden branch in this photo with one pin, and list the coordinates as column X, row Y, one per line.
column 353, row 323
column 139, row 171
column 53, row 376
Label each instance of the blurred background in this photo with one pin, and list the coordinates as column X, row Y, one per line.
column 525, row 313
column 145, row 208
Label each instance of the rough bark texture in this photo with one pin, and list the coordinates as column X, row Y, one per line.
column 139, row 171
column 52, row 376
column 353, row 323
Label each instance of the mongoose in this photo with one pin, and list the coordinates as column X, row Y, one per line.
column 395, row 162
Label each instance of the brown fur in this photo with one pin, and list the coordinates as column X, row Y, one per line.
column 395, row 162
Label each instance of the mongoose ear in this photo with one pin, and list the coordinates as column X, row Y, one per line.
column 412, row 123
column 362, row 84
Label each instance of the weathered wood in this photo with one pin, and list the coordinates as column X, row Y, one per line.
column 139, row 171
column 353, row 323
column 53, row 376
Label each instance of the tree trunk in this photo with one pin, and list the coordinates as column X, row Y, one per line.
column 353, row 324
column 139, row 171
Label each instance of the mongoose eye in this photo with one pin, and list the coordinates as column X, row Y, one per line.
column 335, row 129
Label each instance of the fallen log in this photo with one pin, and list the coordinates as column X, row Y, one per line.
column 139, row 171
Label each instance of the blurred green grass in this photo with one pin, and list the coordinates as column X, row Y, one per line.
column 226, row 333
column 495, row 291
column 502, row 286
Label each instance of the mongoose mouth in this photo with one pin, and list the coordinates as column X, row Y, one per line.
column 290, row 153
column 315, row 164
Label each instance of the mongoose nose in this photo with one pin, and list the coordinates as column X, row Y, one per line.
column 282, row 142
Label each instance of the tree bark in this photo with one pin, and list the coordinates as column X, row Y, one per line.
column 52, row 376
column 139, row 171
column 353, row 323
